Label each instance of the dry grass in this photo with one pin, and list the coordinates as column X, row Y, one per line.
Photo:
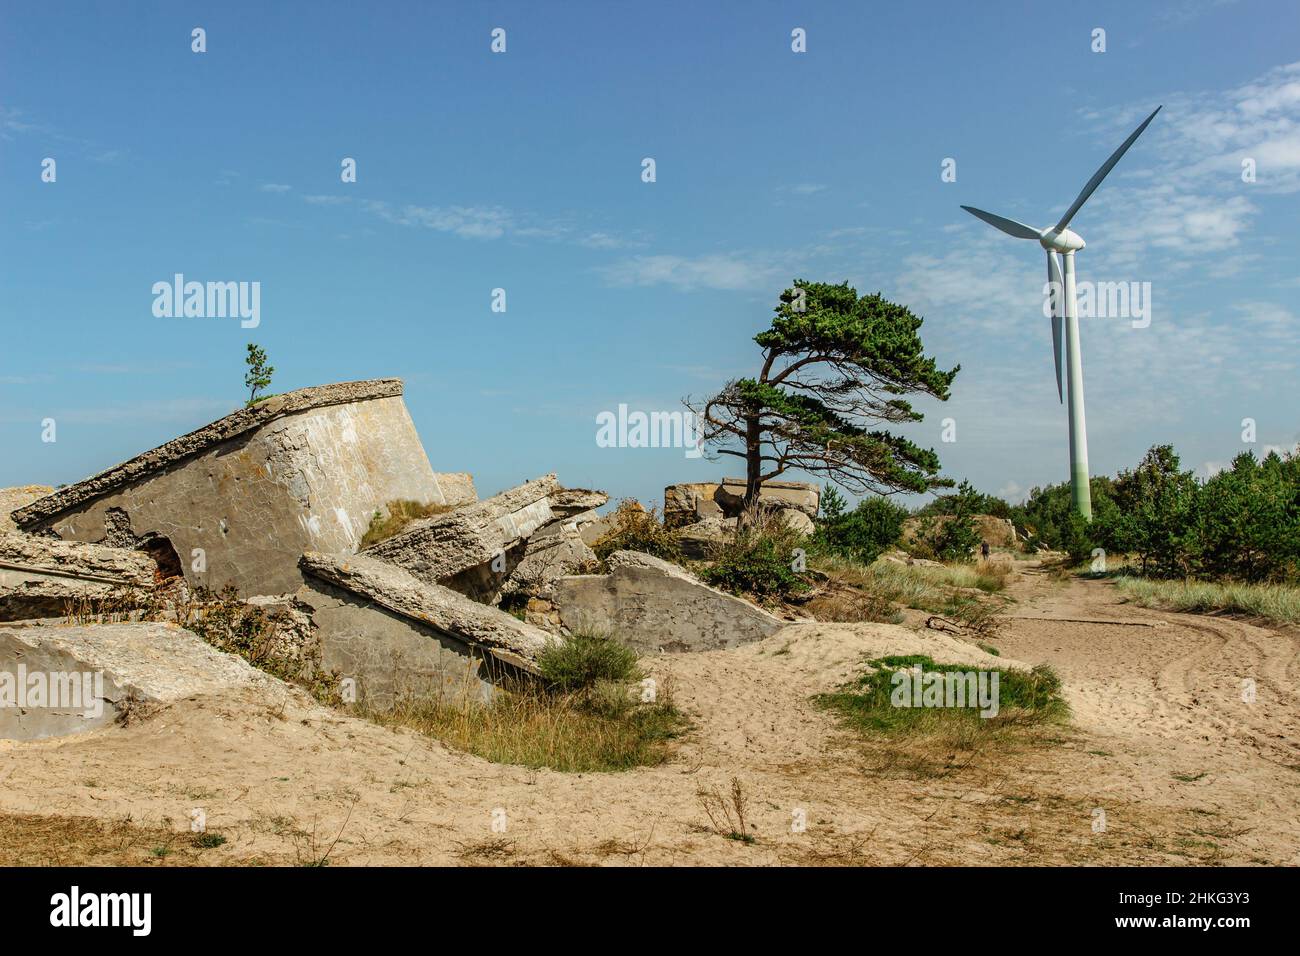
column 850, row 605
column 603, row 728
column 1276, row 602
column 727, row 812
column 39, row 840
column 395, row 516
column 939, row 589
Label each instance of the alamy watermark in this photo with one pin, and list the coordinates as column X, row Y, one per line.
column 638, row 429
column 208, row 300
column 1103, row 300
column 916, row 687
column 53, row 690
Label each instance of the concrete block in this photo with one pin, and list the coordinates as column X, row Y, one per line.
column 39, row 576
column 654, row 606
column 436, row 549
column 239, row 500
column 88, row 673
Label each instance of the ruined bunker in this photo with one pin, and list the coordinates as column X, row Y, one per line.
column 239, row 501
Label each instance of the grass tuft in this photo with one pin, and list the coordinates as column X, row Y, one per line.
column 1276, row 602
column 397, row 514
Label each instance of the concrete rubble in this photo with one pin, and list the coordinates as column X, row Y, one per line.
column 475, row 547
column 396, row 634
column 45, row 577
column 654, row 606
column 699, row 509
column 90, row 674
column 275, row 500
column 237, row 501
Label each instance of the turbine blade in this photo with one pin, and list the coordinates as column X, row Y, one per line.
column 1054, row 277
column 1101, row 174
column 1009, row 226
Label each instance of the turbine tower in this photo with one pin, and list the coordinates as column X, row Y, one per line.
column 1060, row 239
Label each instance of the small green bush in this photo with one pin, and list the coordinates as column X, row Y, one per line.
column 636, row 529
column 1033, row 695
column 759, row 562
column 863, row 534
column 584, row 660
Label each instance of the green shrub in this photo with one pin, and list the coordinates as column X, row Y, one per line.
column 863, row 534
column 585, row 659
column 867, row 702
column 636, row 529
column 759, row 562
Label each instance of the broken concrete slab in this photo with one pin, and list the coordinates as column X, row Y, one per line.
column 796, row 520
column 11, row 499
column 239, row 500
column 396, row 634
column 40, row 576
column 700, row 541
column 692, row 502
column 60, row 680
column 437, row 549
column 547, row 558
column 654, row 606
column 800, row 495
column 571, row 502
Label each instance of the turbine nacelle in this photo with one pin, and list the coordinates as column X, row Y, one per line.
column 1061, row 240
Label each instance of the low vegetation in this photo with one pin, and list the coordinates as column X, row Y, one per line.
column 925, row 587
column 396, row 516
column 588, row 714
column 1276, row 602
column 636, row 529
column 759, row 562
column 931, row 740
column 268, row 640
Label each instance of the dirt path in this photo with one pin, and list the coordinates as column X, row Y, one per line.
column 1163, row 705
column 286, row 781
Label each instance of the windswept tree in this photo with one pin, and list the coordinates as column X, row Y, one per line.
column 835, row 367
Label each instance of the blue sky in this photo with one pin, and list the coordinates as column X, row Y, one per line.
column 522, row 171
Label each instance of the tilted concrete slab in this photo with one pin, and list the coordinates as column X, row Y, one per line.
column 654, row 606
column 571, row 502
column 59, row 680
column 39, row 576
column 449, row 612
column 239, row 500
column 437, row 549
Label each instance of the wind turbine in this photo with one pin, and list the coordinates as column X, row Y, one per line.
column 1059, row 239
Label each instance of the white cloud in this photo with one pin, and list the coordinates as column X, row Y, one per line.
column 727, row 272
column 275, row 188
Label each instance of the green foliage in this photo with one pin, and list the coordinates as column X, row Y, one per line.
column 863, row 534
column 835, row 365
column 259, row 374
column 759, row 562
column 636, row 529
column 951, row 534
column 1248, row 520
column 585, row 659
column 1242, row 524
column 867, row 702
column 268, row 641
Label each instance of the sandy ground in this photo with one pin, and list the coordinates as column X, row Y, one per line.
column 1184, row 771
